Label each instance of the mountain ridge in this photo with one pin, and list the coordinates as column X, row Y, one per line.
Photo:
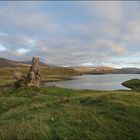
column 81, row 69
column 11, row 63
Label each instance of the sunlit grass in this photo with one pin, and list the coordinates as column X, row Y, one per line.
column 42, row 113
column 47, row 74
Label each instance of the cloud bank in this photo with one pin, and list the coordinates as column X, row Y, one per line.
column 71, row 33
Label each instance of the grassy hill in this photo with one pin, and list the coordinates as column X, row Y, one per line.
column 53, row 113
column 10, row 63
column 47, row 73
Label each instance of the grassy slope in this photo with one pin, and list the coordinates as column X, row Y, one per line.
column 6, row 74
column 56, row 113
column 133, row 84
column 47, row 74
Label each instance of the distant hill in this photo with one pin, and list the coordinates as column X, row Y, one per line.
column 80, row 69
column 93, row 70
column 130, row 70
column 106, row 70
column 10, row 63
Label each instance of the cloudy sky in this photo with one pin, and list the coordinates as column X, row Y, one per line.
column 72, row 33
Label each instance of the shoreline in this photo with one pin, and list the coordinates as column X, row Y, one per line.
column 132, row 84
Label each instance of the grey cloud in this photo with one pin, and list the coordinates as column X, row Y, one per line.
column 25, row 17
column 101, row 41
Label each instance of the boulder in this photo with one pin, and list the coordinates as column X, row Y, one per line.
column 17, row 75
column 20, row 81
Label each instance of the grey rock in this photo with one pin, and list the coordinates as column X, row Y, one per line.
column 17, row 75
column 34, row 73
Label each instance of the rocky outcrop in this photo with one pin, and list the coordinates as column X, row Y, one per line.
column 32, row 78
column 34, row 73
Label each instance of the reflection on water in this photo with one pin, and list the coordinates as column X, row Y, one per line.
column 97, row 82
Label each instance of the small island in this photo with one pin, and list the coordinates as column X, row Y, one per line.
column 133, row 84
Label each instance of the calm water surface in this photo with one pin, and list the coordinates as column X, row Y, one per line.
column 96, row 82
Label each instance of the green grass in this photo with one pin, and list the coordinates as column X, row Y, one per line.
column 47, row 73
column 133, row 84
column 51, row 113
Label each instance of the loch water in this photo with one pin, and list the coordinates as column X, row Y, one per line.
column 96, row 82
